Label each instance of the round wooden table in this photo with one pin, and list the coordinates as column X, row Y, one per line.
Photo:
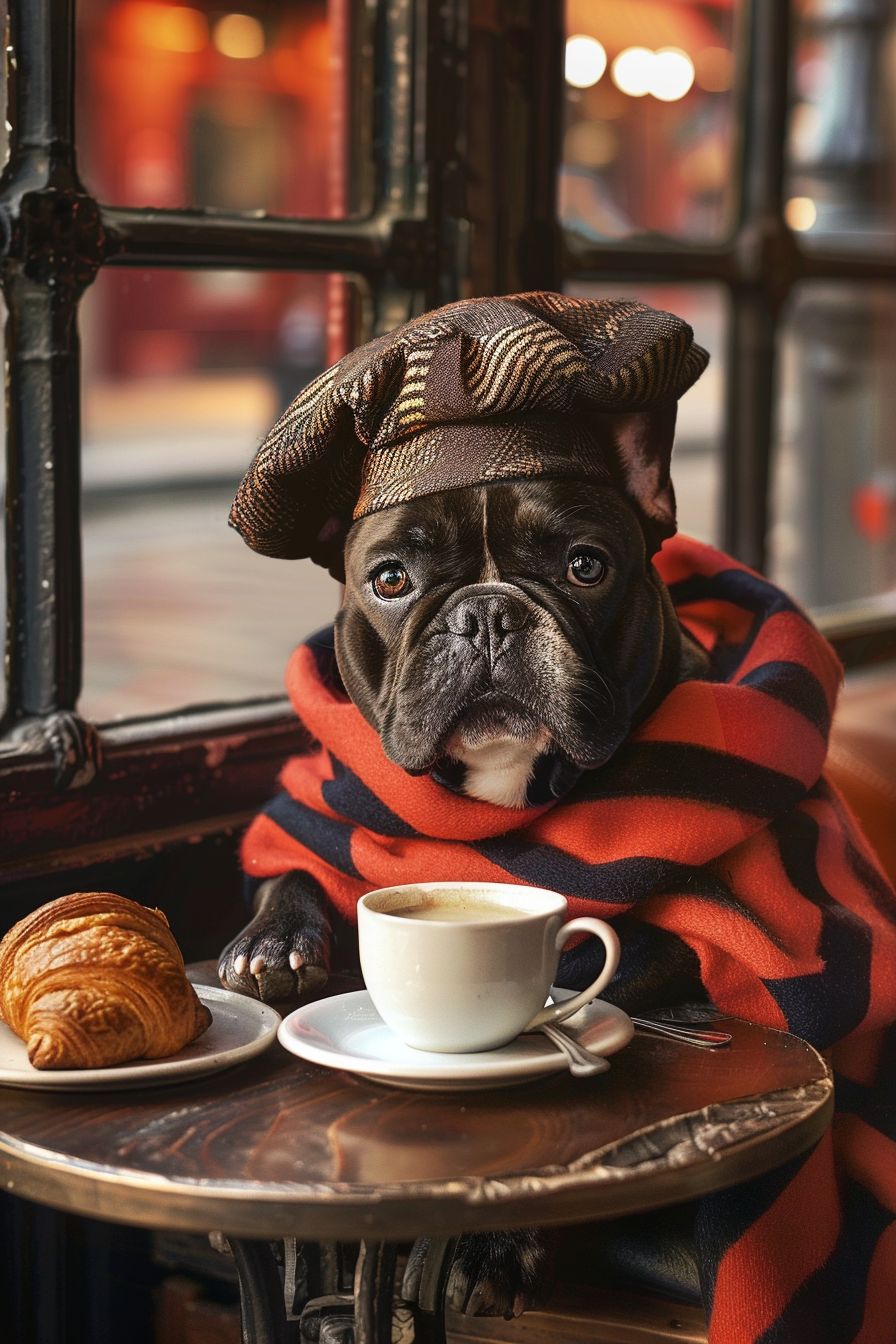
column 277, row 1149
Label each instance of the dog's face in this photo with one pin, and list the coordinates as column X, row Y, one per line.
column 493, row 623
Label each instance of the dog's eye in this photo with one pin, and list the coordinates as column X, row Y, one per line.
column 391, row 581
column 586, row 567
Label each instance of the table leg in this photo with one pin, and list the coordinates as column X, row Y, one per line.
column 426, row 1285
column 262, row 1312
column 375, row 1292
column 376, row 1313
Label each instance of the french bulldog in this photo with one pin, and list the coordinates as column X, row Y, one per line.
column 495, row 636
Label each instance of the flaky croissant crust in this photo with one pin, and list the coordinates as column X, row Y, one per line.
column 94, row 979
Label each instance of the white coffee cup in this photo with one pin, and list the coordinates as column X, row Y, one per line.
column 447, row 980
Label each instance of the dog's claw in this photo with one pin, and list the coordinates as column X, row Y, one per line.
column 295, row 960
column 257, row 965
column 241, row 965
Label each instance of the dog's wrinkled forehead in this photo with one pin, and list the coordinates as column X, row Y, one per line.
column 482, row 529
column 529, row 386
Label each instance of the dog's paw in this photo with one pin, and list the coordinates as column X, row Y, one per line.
column 273, row 963
column 493, row 1273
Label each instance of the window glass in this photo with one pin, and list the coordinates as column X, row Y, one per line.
column 195, row 103
column 696, row 460
column 184, row 372
column 647, row 144
column 833, row 529
column 843, row 124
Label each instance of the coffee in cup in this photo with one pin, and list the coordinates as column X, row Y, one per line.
column 466, row 966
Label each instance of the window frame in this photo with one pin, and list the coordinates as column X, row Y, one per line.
column 467, row 104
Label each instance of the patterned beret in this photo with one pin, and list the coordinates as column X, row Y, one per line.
column 481, row 390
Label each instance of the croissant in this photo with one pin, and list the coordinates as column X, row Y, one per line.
column 93, row 979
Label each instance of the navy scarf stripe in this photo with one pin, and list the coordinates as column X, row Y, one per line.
column 674, row 770
column 845, row 947
column 352, row 799
column 737, row 586
column 794, row 686
column 329, row 839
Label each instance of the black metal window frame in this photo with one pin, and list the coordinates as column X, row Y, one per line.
column 464, row 101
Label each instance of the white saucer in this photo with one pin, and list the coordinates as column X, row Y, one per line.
column 240, row 1028
column 346, row 1032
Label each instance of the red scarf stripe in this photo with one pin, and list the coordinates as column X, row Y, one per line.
column 844, row 884
column 304, row 778
column 858, row 1056
column 722, row 718
column 761, row 1272
column 676, row 563
column 599, row 831
column 877, row 1325
column 838, row 876
column 788, row 634
column 714, row 622
column 726, row 937
column 756, row 867
column 869, row 1157
column 849, row 823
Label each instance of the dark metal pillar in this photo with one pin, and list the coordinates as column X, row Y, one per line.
column 53, row 243
column 767, row 262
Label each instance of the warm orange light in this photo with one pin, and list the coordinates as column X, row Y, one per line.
column 181, row 29
column 800, row 213
column 239, row 36
column 166, row 27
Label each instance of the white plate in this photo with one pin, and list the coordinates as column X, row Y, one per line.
column 346, row 1032
column 240, row 1028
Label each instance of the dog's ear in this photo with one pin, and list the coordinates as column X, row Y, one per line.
column 328, row 547
column 642, row 447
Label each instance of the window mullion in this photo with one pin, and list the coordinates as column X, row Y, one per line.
column 193, row 238
column 53, row 239
column 767, row 264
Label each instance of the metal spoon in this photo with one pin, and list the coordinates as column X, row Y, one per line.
column 582, row 1064
column 701, row 1037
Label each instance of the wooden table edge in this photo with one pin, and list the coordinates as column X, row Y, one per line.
column 584, row 1192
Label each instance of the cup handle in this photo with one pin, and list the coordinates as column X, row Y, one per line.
column 558, row 1012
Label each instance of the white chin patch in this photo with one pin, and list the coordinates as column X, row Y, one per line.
column 499, row 769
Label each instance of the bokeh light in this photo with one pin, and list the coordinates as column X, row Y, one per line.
column 632, row 71
column 800, row 213
column 672, row 74
column 239, row 36
column 586, row 61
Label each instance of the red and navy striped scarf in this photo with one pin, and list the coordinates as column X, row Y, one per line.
column 711, row 831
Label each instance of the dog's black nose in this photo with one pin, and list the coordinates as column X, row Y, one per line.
column 487, row 619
